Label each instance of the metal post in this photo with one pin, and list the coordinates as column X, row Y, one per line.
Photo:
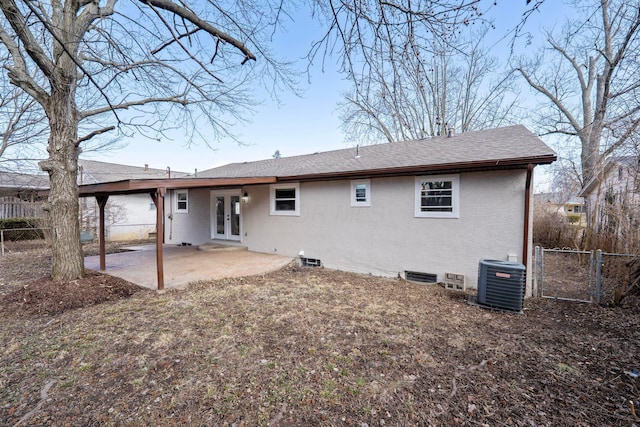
column 536, row 270
column 2, row 241
column 542, row 272
column 591, row 274
column 599, row 264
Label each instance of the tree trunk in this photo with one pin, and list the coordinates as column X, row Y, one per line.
column 62, row 166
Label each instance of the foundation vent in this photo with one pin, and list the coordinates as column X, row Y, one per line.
column 454, row 282
column 417, row 276
column 310, row 262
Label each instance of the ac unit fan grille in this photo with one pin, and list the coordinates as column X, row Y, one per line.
column 501, row 284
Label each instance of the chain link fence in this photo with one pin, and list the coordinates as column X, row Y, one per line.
column 584, row 276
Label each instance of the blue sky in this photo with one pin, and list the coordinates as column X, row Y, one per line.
column 309, row 122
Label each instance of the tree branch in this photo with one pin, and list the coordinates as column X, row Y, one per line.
column 178, row 99
column 94, row 133
column 187, row 14
column 552, row 98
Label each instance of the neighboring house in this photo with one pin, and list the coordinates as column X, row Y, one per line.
column 19, row 195
column 127, row 217
column 570, row 207
column 613, row 196
column 431, row 206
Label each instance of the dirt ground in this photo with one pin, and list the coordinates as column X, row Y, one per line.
column 304, row 346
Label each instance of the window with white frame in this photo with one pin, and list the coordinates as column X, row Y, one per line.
column 437, row 196
column 285, row 199
column 182, row 201
column 361, row 193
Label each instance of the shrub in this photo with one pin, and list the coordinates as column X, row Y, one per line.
column 22, row 228
column 551, row 229
column 573, row 218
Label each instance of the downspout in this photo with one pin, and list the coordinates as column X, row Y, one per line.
column 527, row 213
column 170, row 216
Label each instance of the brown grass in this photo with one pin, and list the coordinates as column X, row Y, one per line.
column 317, row 347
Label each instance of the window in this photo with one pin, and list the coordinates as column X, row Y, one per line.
column 361, row 193
column 285, row 199
column 182, row 201
column 437, row 196
column 152, row 205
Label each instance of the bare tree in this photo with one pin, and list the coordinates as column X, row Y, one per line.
column 429, row 88
column 22, row 128
column 97, row 66
column 590, row 78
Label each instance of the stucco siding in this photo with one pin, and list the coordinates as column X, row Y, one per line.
column 131, row 217
column 192, row 226
column 386, row 239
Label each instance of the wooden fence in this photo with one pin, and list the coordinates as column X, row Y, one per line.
column 13, row 207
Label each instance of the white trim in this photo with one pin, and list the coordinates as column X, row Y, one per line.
column 455, row 196
column 177, row 194
column 354, row 184
column 272, row 199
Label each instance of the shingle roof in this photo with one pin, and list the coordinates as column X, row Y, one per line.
column 23, row 181
column 514, row 144
column 98, row 172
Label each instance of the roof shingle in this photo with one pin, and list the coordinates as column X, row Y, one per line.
column 511, row 143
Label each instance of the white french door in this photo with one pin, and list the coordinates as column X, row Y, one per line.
column 225, row 214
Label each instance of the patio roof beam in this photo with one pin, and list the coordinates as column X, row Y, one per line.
column 133, row 186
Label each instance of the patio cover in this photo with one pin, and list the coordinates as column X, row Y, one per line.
column 156, row 188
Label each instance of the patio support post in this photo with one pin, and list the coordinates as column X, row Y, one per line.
column 158, row 199
column 102, row 202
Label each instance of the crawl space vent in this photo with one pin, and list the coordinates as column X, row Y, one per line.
column 310, row 262
column 416, row 276
column 454, row 281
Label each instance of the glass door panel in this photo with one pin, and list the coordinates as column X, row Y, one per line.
column 235, row 216
column 225, row 215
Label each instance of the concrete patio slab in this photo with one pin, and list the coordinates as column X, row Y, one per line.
column 185, row 264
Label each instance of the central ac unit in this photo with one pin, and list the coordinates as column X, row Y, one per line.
column 501, row 284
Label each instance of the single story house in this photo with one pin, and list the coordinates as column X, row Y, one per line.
column 421, row 208
column 127, row 217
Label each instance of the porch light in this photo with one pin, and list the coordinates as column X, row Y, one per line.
column 245, row 198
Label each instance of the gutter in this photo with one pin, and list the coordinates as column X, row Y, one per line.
column 491, row 165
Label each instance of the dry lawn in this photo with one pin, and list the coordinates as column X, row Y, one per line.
column 307, row 346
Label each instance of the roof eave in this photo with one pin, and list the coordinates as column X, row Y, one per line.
column 486, row 165
column 141, row 186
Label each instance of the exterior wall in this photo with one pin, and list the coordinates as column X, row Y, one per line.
column 129, row 217
column 192, row 227
column 386, row 239
column 619, row 185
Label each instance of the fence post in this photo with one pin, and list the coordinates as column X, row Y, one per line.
column 592, row 284
column 2, row 240
column 535, row 271
column 599, row 262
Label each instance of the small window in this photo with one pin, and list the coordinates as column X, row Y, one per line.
column 285, row 199
column 361, row 193
column 152, row 205
column 437, row 196
column 182, row 201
